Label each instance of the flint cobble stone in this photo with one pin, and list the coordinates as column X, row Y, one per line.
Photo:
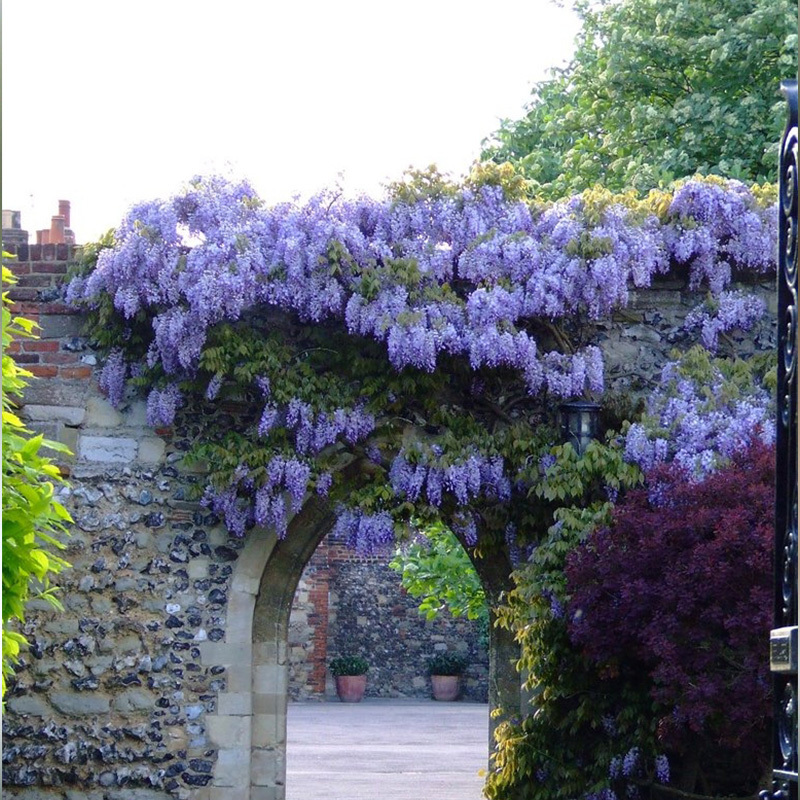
column 70, row 415
column 28, row 705
column 134, row 700
column 80, row 705
column 112, row 664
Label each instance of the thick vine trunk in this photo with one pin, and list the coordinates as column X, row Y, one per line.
column 505, row 694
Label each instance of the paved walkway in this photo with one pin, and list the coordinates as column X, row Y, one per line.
column 386, row 750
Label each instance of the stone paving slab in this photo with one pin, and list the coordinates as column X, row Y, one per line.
column 386, row 750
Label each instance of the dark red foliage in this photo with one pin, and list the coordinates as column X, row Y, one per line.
column 682, row 591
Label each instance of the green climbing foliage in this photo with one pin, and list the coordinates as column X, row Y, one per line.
column 33, row 520
column 542, row 755
column 405, row 358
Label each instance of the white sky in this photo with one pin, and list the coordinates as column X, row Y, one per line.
column 107, row 103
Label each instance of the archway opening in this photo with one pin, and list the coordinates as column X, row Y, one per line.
column 250, row 726
column 353, row 605
column 349, row 603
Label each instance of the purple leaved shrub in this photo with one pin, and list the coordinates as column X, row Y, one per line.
column 681, row 591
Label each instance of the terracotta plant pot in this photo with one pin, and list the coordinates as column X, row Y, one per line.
column 445, row 687
column 351, row 688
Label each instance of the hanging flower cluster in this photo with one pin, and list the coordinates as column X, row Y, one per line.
column 363, row 532
column 465, row 478
column 729, row 311
column 388, row 269
column 468, row 274
column 717, row 229
column 702, row 415
column 280, row 494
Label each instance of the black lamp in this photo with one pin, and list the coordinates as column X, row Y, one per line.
column 579, row 423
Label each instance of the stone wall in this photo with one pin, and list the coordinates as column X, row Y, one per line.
column 139, row 689
column 111, row 699
column 355, row 605
column 113, row 692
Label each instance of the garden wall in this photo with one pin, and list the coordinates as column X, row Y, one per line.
column 350, row 604
column 131, row 693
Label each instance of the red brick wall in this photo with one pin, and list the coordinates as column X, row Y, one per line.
column 39, row 270
column 60, row 355
column 310, row 659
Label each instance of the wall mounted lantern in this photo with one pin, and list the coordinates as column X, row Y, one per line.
column 579, row 423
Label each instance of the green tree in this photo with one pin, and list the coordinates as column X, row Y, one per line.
column 32, row 517
column 437, row 571
column 658, row 91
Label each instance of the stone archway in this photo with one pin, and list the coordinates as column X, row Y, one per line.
column 249, row 727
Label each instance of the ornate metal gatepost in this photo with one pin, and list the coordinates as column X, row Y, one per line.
column 783, row 639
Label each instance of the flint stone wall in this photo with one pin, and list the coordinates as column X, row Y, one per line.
column 369, row 614
column 116, row 697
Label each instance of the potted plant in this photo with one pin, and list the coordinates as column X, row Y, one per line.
column 445, row 670
column 350, row 674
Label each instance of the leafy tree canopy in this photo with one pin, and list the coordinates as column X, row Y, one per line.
column 650, row 595
column 436, row 569
column 658, row 91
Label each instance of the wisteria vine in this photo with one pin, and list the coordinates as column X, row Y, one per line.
column 469, row 275
column 703, row 413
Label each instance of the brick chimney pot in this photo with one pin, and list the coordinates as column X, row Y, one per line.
column 57, row 227
column 63, row 211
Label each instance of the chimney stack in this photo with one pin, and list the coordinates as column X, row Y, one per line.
column 63, row 211
column 58, row 233
column 57, row 228
column 12, row 228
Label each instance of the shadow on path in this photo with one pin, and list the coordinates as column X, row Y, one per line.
column 386, row 750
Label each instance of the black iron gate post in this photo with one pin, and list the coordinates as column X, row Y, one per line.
column 783, row 639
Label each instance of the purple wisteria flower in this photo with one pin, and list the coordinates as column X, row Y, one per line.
column 269, row 419
column 362, row 532
column 464, row 523
column 324, row 483
column 271, row 504
column 214, row 385
column 470, row 275
column 215, row 251
column 229, row 507
column 264, row 385
column 466, row 478
column 373, row 453
column 698, row 426
column 112, row 377
column 717, row 227
column 609, row 723
column 662, row 769
column 730, row 311
column 603, row 794
column 556, row 606
column 631, row 762
column 162, row 405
